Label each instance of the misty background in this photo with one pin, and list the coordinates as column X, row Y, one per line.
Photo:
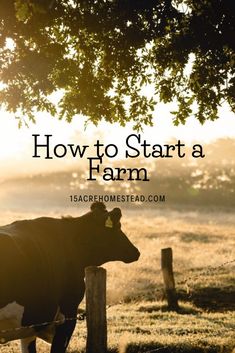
column 207, row 182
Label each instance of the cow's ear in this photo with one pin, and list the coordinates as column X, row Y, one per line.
column 115, row 215
column 99, row 212
column 98, row 206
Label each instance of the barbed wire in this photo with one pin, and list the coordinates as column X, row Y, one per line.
column 208, row 271
column 82, row 316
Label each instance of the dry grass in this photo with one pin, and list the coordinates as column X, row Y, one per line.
column 137, row 319
column 198, row 241
column 143, row 326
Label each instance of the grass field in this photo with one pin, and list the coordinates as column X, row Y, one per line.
column 138, row 321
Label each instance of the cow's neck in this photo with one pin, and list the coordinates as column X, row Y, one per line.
column 83, row 250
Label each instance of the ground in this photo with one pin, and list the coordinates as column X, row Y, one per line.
column 203, row 243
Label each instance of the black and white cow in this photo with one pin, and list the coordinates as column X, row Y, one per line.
column 42, row 263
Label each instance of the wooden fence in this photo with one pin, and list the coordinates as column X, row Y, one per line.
column 96, row 301
column 96, row 310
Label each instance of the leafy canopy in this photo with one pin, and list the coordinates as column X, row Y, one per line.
column 103, row 54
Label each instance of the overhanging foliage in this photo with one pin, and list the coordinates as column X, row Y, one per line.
column 103, row 54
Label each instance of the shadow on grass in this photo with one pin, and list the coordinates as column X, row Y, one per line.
column 212, row 298
column 156, row 348
column 164, row 308
column 153, row 348
column 208, row 298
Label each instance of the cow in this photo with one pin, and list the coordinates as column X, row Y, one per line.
column 42, row 265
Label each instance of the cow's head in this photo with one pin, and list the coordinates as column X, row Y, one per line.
column 109, row 243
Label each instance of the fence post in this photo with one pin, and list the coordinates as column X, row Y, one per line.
column 96, row 310
column 168, row 278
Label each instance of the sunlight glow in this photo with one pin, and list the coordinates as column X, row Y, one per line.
column 16, row 144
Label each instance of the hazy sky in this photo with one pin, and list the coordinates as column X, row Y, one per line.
column 16, row 145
